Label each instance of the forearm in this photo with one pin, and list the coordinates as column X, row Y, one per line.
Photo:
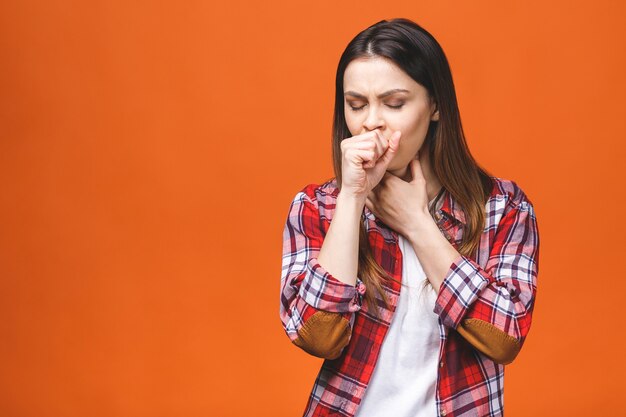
column 490, row 305
column 433, row 250
column 340, row 249
column 316, row 306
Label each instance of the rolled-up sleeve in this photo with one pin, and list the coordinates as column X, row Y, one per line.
column 323, row 291
column 315, row 307
column 492, row 307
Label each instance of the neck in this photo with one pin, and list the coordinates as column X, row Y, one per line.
column 433, row 186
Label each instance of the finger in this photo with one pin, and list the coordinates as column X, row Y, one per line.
column 416, row 170
column 394, row 142
column 361, row 156
column 384, row 143
column 360, row 139
column 377, row 141
column 363, row 137
column 377, row 138
column 371, row 142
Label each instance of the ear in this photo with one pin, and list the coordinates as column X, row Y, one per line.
column 435, row 115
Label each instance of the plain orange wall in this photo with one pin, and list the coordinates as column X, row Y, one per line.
column 149, row 152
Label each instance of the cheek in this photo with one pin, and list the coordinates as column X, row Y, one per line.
column 413, row 130
column 352, row 123
column 413, row 135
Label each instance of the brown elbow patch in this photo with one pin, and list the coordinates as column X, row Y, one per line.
column 324, row 335
column 490, row 340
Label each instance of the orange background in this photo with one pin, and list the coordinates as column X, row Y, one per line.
column 149, row 152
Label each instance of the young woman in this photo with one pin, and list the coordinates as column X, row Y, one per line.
column 413, row 271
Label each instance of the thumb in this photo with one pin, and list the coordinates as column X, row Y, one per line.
column 394, row 142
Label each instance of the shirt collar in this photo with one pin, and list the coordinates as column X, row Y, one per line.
column 452, row 208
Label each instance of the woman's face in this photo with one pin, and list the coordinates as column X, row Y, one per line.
column 380, row 95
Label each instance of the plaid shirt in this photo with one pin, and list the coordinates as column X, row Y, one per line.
column 484, row 304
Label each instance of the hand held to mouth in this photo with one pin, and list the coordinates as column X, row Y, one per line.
column 365, row 159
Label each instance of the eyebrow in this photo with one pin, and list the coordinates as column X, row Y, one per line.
column 382, row 95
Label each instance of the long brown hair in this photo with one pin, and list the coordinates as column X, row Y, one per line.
column 417, row 52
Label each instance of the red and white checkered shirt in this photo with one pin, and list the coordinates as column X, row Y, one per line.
column 496, row 287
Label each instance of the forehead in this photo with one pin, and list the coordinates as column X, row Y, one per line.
column 375, row 75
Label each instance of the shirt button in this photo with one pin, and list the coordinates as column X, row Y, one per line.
column 443, row 412
column 441, row 364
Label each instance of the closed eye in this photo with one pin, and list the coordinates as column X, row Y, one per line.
column 390, row 106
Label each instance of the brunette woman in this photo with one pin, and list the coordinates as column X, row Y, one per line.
column 413, row 271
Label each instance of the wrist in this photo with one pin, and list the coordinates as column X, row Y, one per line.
column 351, row 200
column 422, row 225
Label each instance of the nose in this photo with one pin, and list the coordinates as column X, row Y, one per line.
column 373, row 119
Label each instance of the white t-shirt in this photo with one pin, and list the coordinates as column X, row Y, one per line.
column 404, row 379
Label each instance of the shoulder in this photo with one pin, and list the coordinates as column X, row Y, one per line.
column 509, row 194
column 318, row 198
column 319, row 194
